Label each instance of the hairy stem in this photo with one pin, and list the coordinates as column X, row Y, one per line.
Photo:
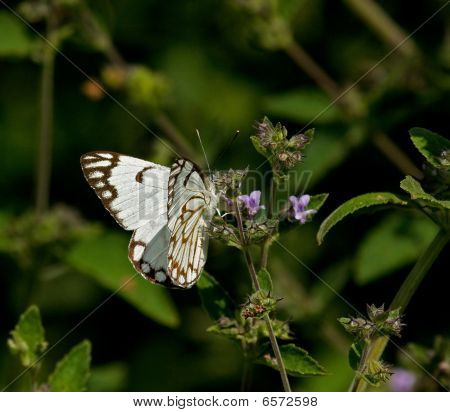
column 257, row 287
column 44, row 160
column 403, row 297
column 265, row 253
column 361, row 368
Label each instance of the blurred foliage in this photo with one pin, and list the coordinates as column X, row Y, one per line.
column 101, row 258
column 394, row 243
column 27, row 338
column 172, row 67
column 70, row 374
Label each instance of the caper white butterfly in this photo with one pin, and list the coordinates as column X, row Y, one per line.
column 169, row 210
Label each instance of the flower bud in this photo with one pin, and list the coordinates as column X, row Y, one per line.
column 283, row 156
column 298, row 141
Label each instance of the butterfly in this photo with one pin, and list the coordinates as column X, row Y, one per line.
column 169, row 211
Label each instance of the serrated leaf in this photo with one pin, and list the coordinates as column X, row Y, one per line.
column 28, row 337
column 317, row 201
column 358, row 203
column 265, row 280
column 215, row 299
column 414, row 188
column 72, row 372
column 104, row 258
column 430, row 145
column 296, row 360
column 14, row 39
column 301, row 106
column 395, row 242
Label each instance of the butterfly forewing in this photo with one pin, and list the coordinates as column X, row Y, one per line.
column 135, row 193
column 133, row 190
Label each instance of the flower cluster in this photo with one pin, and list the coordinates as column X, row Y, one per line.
column 283, row 154
column 381, row 322
column 258, row 305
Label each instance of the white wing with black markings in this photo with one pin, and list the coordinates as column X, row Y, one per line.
column 134, row 191
column 169, row 211
column 191, row 204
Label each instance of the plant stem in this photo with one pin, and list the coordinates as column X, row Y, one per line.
column 404, row 295
column 46, row 130
column 247, row 374
column 383, row 25
column 396, row 155
column 265, row 253
column 361, row 367
column 312, row 69
column 257, row 287
column 270, row 210
column 175, row 136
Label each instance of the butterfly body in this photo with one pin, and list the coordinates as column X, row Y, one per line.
column 168, row 209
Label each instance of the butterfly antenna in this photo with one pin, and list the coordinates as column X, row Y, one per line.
column 224, row 150
column 203, row 148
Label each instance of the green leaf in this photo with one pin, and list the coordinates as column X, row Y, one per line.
column 265, row 280
column 14, row 39
column 72, row 372
column 394, row 243
column 317, row 201
column 259, row 147
column 28, row 337
column 368, row 200
column 301, row 106
column 430, row 145
column 414, row 188
column 104, row 258
column 296, row 360
column 215, row 299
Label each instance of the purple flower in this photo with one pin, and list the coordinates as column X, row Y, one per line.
column 299, row 205
column 402, row 380
column 251, row 202
column 228, row 202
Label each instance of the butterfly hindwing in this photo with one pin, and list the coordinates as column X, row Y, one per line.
column 148, row 252
column 190, row 200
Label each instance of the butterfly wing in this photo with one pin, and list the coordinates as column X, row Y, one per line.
column 134, row 191
column 191, row 200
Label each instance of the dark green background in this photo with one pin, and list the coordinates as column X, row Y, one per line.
column 222, row 79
